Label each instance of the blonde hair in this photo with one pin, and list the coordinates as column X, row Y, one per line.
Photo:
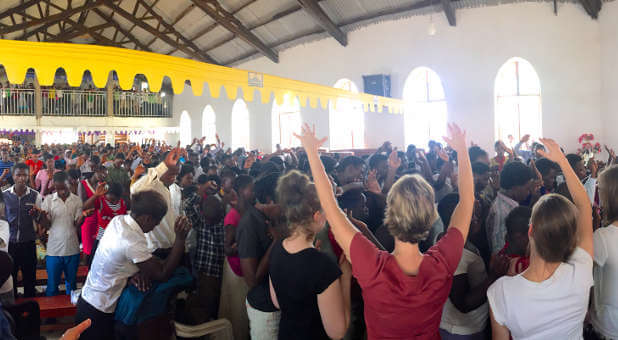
column 298, row 199
column 410, row 209
column 608, row 193
column 554, row 228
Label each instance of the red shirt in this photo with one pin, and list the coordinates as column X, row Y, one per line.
column 34, row 166
column 398, row 306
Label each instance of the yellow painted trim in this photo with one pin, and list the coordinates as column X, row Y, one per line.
column 45, row 58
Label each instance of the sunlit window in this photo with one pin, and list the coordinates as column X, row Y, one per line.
column 240, row 125
column 346, row 120
column 518, row 101
column 209, row 125
column 185, row 129
column 425, row 115
column 286, row 121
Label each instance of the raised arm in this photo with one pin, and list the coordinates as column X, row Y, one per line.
column 342, row 228
column 578, row 193
column 462, row 215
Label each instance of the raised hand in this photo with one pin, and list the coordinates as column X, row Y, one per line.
column 372, row 182
column 182, row 227
column 139, row 170
column 552, row 151
column 101, row 189
column 456, row 138
column 173, row 157
column 5, row 173
column 308, row 138
column 443, row 155
column 394, row 162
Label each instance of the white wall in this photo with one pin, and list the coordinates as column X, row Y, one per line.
column 565, row 51
column 609, row 79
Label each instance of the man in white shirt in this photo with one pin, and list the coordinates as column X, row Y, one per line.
column 160, row 179
column 123, row 251
column 61, row 214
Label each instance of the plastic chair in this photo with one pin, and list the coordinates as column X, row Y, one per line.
column 212, row 327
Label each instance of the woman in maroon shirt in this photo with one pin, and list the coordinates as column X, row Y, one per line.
column 403, row 291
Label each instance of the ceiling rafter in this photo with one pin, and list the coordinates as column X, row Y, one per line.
column 78, row 30
column 125, row 32
column 187, row 47
column 449, row 11
column 211, row 27
column 216, row 12
column 317, row 13
column 19, row 8
column 53, row 18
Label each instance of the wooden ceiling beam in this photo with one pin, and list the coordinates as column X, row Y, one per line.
column 78, row 30
column 317, row 13
column 224, row 18
column 449, row 11
column 592, row 7
column 126, row 33
column 190, row 48
column 53, row 18
column 19, row 8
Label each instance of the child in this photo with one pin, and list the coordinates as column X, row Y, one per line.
column 516, row 247
column 61, row 214
column 107, row 204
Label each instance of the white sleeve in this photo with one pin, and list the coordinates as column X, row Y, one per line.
column 600, row 249
column 137, row 248
column 495, row 295
column 44, row 205
column 145, row 182
column 38, row 202
column 590, row 186
column 582, row 262
column 4, row 235
column 78, row 210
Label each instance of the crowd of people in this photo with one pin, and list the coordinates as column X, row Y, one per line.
column 445, row 243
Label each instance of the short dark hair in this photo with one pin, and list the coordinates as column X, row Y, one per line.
column 202, row 179
column 479, row 168
column 47, row 156
column 95, row 159
column 265, row 187
column 186, row 169
column 204, row 163
column 475, row 152
column 514, row 174
column 518, row 220
column 446, row 207
column 74, row 173
column 215, row 178
column 60, row 177
column 22, row 166
column 329, row 163
column 119, row 155
column 544, row 166
column 377, row 159
column 573, row 160
column 115, row 189
column 242, row 182
column 350, row 161
column 148, row 203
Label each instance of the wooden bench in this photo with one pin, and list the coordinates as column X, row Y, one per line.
column 41, row 276
column 53, row 306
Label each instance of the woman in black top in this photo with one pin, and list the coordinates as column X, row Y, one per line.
column 309, row 288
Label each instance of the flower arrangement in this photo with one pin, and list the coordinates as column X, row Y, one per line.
column 588, row 148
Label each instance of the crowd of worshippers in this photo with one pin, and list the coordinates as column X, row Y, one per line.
column 449, row 242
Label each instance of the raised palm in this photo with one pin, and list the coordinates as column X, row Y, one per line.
column 308, row 138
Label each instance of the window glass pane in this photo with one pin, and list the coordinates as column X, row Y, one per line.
column 506, row 81
column 436, row 92
column 530, row 116
column 240, row 125
column 528, row 80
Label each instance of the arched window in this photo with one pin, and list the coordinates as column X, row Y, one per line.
column 425, row 107
column 518, row 101
column 286, row 121
column 240, row 125
column 209, row 125
column 185, row 129
column 346, row 120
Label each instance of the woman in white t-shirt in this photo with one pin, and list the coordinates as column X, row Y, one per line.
column 604, row 313
column 549, row 300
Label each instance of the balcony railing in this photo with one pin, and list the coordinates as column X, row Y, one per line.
column 85, row 103
column 18, row 102
column 73, row 103
column 141, row 104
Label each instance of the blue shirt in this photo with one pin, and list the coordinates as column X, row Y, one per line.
column 6, row 165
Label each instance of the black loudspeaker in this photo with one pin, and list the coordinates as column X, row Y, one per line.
column 377, row 84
